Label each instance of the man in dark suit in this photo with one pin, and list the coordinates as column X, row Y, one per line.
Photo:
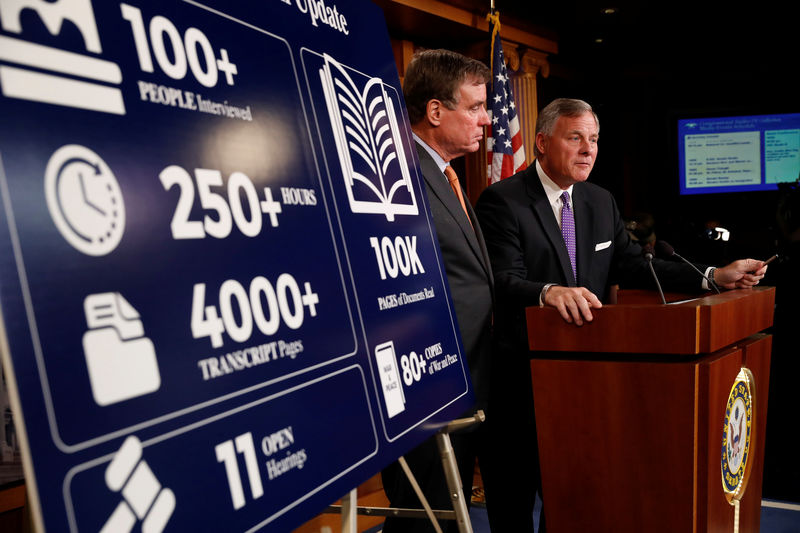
column 522, row 218
column 445, row 95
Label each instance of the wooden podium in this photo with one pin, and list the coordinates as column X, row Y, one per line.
column 630, row 411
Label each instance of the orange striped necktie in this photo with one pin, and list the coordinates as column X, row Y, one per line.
column 452, row 178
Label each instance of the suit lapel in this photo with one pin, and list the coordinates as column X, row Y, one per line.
column 484, row 253
column 584, row 237
column 544, row 212
column 437, row 183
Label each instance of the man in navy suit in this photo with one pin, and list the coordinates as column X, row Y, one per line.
column 521, row 218
column 445, row 94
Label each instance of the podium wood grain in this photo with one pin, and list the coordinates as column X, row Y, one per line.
column 630, row 412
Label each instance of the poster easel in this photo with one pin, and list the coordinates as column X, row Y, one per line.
column 349, row 507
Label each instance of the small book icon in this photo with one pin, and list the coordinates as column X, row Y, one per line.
column 390, row 379
column 367, row 135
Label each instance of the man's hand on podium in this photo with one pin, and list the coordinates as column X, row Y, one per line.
column 574, row 303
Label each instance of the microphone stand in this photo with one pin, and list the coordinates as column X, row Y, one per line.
column 649, row 258
column 670, row 251
column 710, row 283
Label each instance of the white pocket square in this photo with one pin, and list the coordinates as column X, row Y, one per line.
column 601, row 246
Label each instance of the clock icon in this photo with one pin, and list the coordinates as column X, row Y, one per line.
column 84, row 200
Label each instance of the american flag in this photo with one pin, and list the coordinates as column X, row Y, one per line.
column 505, row 152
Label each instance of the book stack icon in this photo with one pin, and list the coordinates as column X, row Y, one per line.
column 34, row 72
column 367, row 134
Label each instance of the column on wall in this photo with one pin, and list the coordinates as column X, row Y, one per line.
column 403, row 51
column 523, row 83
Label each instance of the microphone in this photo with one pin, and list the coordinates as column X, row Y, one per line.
column 647, row 252
column 665, row 249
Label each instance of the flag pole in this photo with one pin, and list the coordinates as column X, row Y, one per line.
column 504, row 146
column 493, row 19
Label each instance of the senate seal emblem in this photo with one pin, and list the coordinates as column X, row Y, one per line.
column 737, row 435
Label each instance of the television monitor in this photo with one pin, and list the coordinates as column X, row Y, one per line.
column 738, row 153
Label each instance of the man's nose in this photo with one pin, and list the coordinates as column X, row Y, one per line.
column 484, row 118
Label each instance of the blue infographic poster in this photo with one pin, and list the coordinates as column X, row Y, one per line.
column 222, row 300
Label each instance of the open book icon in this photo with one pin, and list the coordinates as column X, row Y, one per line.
column 367, row 135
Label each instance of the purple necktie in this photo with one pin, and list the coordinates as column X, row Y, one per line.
column 568, row 231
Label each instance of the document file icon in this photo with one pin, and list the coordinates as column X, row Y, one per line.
column 121, row 360
column 390, row 379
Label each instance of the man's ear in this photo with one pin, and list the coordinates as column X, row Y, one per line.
column 541, row 143
column 433, row 112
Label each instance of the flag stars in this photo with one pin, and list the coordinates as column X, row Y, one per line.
column 504, row 132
